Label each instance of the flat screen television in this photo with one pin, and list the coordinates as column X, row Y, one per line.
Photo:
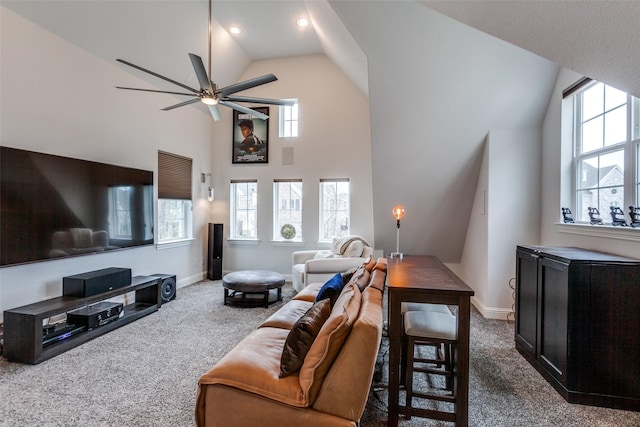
column 53, row 207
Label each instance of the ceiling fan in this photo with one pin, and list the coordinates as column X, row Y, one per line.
column 209, row 93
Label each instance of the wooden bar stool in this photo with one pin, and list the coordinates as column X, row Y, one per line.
column 415, row 306
column 437, row 329
column 419, row 306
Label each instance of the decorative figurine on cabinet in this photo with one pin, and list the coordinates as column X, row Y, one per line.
column 634, row 213
column 594, row 215
column 617, row 216
column 567, row 216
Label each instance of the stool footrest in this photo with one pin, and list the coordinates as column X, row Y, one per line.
column 428, row 413
column 432, row 361
column 432, row 371
column 439, row 397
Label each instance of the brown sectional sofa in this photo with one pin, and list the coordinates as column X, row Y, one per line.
column 331, row 387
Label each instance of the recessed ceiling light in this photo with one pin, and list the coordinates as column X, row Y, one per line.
column 302, row 22
column 235, row 30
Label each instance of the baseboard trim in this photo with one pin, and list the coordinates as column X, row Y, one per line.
column 492, row 312
column 190, row 280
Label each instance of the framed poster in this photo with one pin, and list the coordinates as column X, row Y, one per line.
column 250, row 137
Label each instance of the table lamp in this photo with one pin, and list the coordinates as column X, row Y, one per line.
column 398, row 213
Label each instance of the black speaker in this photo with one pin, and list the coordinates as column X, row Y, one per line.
column 214, row 258
column 167, row 287
column 95, row 282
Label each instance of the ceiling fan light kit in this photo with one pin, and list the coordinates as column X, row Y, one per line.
column 209, row 93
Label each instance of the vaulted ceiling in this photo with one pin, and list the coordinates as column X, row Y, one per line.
column 599, row 39
column 436, row 85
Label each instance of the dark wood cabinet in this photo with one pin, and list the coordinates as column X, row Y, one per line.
column 578, row 323
column 23, row 326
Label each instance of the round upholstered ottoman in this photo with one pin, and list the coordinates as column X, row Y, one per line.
column 251, row 288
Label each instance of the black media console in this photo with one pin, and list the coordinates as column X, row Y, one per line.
column 23, row 326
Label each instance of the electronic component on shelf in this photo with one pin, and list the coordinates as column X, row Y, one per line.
column 60, row 331
column 95, row 315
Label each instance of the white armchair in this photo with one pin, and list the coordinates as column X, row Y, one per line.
column 312, row 266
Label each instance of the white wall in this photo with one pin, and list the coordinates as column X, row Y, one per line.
column 505, row 213
column 437, row 87
column 557, row 181
column 474, row 262
column 58, row 99
column 334, row 142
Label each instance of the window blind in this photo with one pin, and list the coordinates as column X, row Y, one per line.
column 240, row 181
column 334, row 179
column 174, row 176
column 576, row 87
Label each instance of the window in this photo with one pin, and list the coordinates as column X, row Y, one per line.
column 174, row 198
column 606, row 140
column 335, row 195
column 174, row 219
column 287, row 210
column 244, row 210
column 289, row 120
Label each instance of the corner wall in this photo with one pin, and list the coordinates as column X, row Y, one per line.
column 505, row 213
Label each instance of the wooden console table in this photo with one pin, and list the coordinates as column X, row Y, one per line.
column 421, row 278
column 23, row 325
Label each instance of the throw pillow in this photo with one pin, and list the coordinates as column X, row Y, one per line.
column 331, row 289
column 301, row 336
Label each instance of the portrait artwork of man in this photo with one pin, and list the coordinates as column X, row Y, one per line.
column 250, row 143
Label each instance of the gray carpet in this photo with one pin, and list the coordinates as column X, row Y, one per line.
column 145, row 374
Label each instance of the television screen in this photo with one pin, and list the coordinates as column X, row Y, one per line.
column 53, row 207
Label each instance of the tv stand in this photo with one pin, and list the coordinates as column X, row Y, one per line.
column 23, row 325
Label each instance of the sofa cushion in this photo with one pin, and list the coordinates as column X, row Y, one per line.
column 288, row 315
column 360, row 277
column 381, row 264
column 329, row 341
column 378, row 279
column 370, row 263
column 301, row 336
column 323, row 254
column 363, row 280
column 331, row 289
column 346, row 386
column 309, row 293
column 254, row 366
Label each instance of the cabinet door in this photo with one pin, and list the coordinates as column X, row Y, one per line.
column 526, row 300
column 552, row 314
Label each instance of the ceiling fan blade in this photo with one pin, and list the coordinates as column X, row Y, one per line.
column 182, row 104
column 215, row 112
column 243, row 109
column 157, row 75
column 259, row 100
column 201, row 73
column 247, row 84
column 157, row 91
